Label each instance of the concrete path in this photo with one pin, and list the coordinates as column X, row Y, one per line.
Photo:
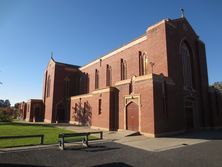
column 158, row 144
column 111, row 154
column 118, row 150
column 154, row 144
column 139, row 141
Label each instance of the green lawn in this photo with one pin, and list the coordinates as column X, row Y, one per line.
column 13, row 129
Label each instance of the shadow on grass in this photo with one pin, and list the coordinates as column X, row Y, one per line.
column 68, row 124
column 22, row 165
column 115, row 164
column 27, row 124
column 22, row 145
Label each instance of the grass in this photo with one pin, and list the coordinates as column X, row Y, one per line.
column 13, row 129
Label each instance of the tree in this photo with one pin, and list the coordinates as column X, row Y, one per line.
column 1, row 103
column 16, row 105
column 6, row 114
column 218, row 86
column 5, row 103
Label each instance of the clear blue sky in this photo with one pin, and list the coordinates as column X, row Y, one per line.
column 78, row 31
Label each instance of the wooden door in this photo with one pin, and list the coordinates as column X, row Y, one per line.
column 60, row 113
column 132, row 117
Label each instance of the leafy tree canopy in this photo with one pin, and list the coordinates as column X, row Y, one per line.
column 5, row 103
column 16, row 105
column 218, row 86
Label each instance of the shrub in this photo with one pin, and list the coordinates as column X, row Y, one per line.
column 5, row 116
column 16, row 114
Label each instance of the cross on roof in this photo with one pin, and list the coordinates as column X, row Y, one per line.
column 182, row 12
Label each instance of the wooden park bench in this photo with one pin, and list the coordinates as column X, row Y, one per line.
column 85, row 140
column 24, row 136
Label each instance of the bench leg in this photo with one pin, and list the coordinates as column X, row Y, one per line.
column 61, row 144
column 42, row 139
column 101, row 135
column 85, row 141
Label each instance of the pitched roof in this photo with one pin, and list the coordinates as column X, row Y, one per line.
column 68, row 65
column 64, row 64
column 183, row 19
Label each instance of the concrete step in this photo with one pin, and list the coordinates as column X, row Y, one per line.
column 127, row 133
column 61, row 124
column 133, row 133
column 119, row 134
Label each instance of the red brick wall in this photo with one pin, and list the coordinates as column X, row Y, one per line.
column 178, row 31
column 169, row 111
column 123, row 90
column 48, row 102
column 95, row 119
column 59, row 73
column 32, row 115
column 131, row 55
column 145, row 89
column 215, row 103
column 161, row 45
column 22, row 109
column 161, row 94
column 156, row 48
column 29, row 116
column 203, row 83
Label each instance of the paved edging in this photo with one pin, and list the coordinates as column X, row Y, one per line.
column 39, row 147
column 27, row 148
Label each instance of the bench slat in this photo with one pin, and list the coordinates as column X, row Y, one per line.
column 72, row 134
column 15, row 137
column 24, row 136
column 62, row 137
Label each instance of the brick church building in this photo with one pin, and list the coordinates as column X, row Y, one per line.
column 156, row 84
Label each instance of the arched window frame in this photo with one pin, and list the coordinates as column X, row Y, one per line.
column 87, row 83
column 143, row 61
column 84, row 83
column 96, row 79
column 186, row 57
column 108, row 75
column 48, row 86
column 81, row 81
column 123, row 68
column 67, row 87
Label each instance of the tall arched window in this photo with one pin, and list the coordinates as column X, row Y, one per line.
column 123, row 67
column 187, row 68
column 84, row 83
column 81, row 81
column 108, row 75
column 96, row 79
column 143, row 60
column 87, row 83
column 67, row 86
column 48, row 86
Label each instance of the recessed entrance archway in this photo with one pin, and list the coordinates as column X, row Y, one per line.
column 132, row 117
column 60, row 113
column 132, row 106
column 189, row 110
column 37, row 116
